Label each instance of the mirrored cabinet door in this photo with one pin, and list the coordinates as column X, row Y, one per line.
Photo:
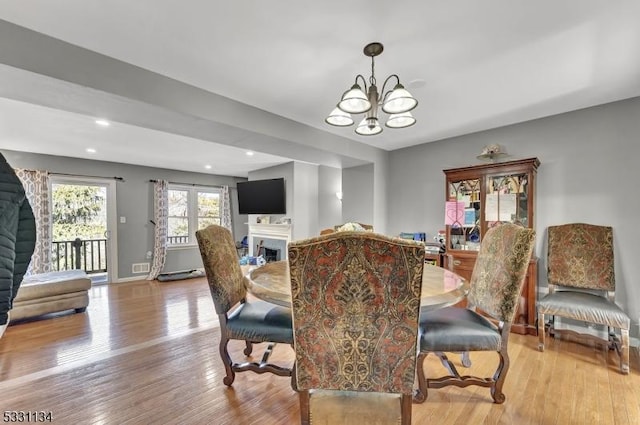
column 507, row 199
column 465, row 230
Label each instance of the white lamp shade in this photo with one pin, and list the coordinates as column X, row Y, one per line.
column 369, row 127
column 400, row 120
column 339, row 118
column 354, row 101
column 399, row 101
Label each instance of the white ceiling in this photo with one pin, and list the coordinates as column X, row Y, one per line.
column 472, row 65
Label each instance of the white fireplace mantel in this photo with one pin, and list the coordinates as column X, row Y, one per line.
column 258, row 231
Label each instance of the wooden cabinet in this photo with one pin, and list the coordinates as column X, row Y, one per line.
column 483, row 196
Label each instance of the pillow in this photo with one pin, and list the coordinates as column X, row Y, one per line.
column 351, row 227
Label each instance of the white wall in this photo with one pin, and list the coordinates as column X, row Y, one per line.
column 588, row 173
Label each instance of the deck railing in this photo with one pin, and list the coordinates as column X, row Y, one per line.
column 89, row 255
column 171, row 240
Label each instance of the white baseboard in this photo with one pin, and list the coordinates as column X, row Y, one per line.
column 130, row 279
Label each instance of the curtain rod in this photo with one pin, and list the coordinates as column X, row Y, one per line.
column 189, row 184
column 120, row 179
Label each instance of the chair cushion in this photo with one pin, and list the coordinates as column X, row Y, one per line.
column 259, row 320
column 586, row 307
column 457, row 329
column 356, row 408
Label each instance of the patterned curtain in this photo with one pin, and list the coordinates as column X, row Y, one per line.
column 36, row 186
column 225, row 210
column 161, row 218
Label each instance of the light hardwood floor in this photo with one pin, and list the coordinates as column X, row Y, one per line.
column 147, row 353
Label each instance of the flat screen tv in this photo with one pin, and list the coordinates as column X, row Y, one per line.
column 262, row 197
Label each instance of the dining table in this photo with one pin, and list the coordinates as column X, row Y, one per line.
column 440, row 287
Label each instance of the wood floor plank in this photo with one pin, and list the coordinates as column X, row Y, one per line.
column 147, row 353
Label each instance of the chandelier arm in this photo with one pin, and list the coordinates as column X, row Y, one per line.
column 384, row 94
column 364, row 82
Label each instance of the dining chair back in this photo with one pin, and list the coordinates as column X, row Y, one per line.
column 580, row 271
column 250, row 321
column 484, row 325
column 356, row 302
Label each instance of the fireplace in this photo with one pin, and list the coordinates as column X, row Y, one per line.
column 271, row 254
column 273, row 237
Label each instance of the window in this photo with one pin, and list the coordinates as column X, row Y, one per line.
column 191, row 209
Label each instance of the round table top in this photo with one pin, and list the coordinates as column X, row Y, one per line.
column 440, row 287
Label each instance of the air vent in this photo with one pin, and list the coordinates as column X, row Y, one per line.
column 140, row 268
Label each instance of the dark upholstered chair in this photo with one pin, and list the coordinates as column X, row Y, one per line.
column 580, row 264
column 496, row 283
column 251, row 322
column 356, row 303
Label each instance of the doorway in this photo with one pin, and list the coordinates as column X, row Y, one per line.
column 83, row 218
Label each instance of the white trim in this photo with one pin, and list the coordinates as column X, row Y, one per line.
column 130, row 279
column 280, row 232
column 192, row 209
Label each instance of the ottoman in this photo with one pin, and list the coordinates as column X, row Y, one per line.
column 51, row 292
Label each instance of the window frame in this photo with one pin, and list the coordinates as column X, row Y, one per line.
column 192, row 211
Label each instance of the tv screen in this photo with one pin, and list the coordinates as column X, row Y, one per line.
column 262, row 197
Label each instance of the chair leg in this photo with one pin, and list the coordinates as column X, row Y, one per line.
column 624, row 352
column 405, row 413
column 541, row 330
column 226, row 359
column 500, row 376
column 420, row 394
column 249, row 348
column 294, row 379
column 305, row 414
column 465, row 359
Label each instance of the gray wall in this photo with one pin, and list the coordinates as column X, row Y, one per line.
column 329, row 206
column 302, row 185
column 587, row 174
column 285, row 171
column 358, row 192
column 305, row 198
column 134, row 200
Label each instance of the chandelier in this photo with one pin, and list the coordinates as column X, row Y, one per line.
column 397, row 102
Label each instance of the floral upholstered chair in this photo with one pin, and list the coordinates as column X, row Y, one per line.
column 496, row 283
column 356, row 302
column 580, row 264
column 251, row 322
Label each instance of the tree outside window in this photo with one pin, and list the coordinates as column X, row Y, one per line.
column 191, row 209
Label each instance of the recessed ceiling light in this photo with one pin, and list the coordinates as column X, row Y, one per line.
column 208, row 167
column 90, row 150
column 249, row 153
column 103, row 123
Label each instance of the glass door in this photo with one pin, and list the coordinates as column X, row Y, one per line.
column 83, row 226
